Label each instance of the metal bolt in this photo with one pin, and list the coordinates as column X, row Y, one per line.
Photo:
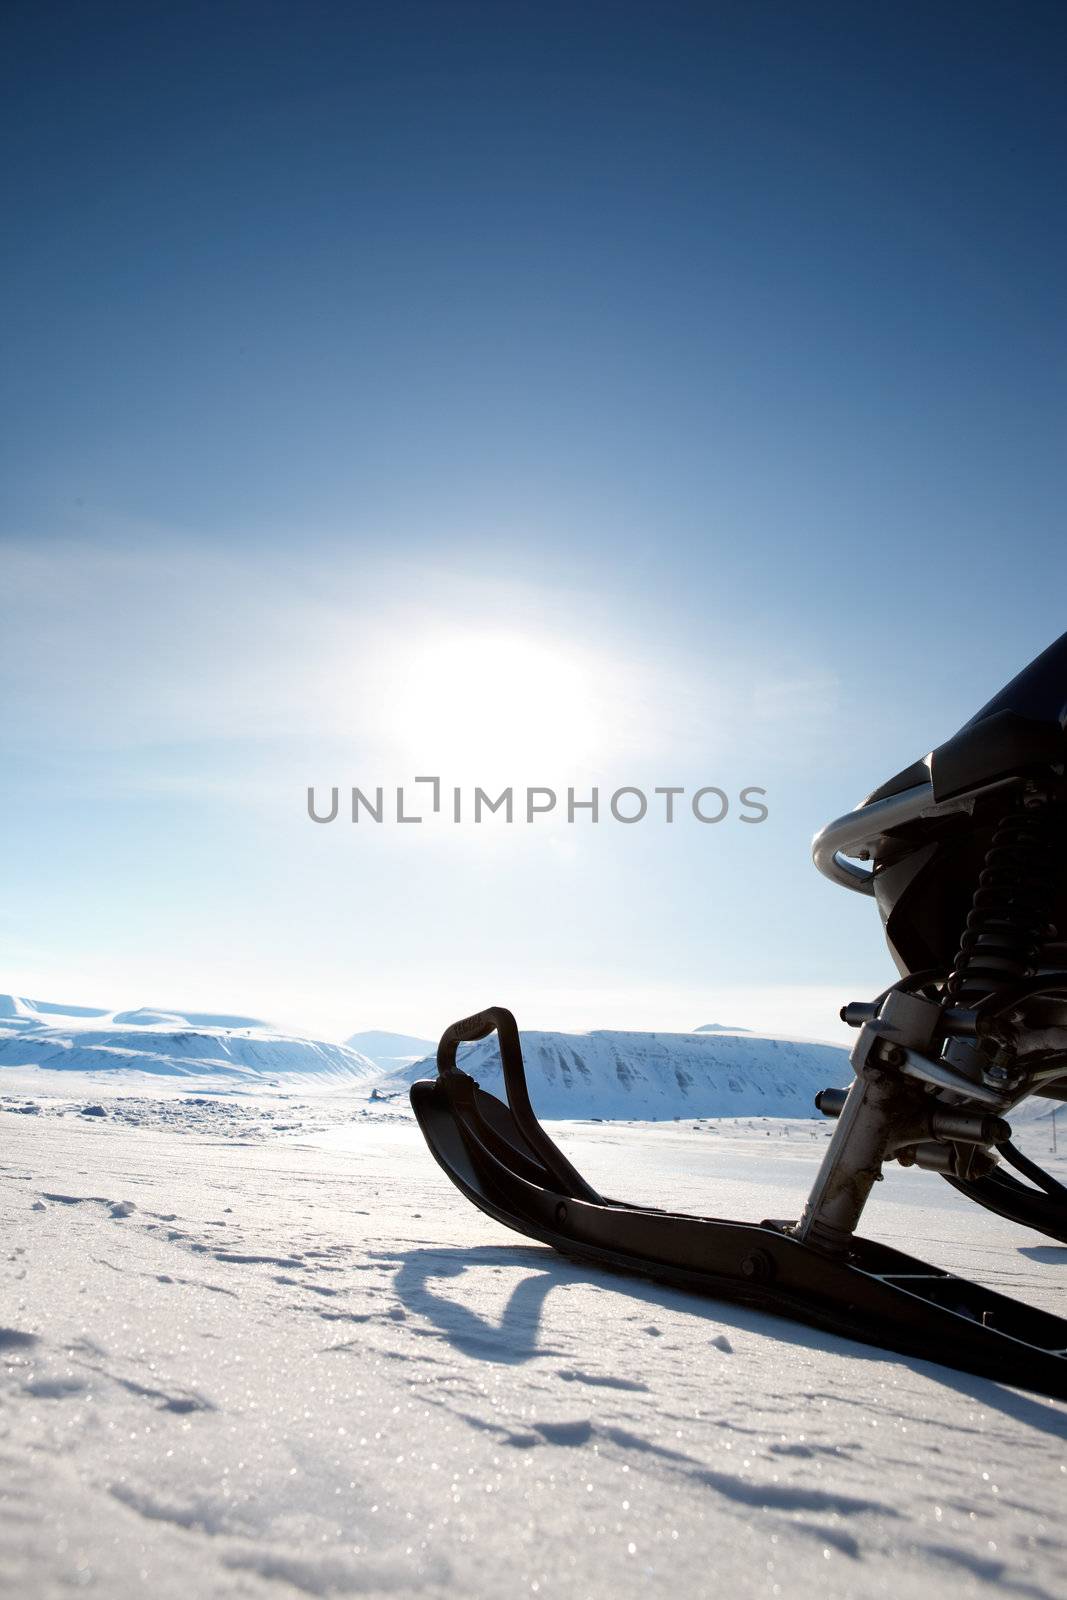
column 561, row 1212
column 758, row 1266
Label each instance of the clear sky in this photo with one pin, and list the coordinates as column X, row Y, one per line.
column 659, row 394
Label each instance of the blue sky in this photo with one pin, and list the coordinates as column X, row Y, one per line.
column 699, row 369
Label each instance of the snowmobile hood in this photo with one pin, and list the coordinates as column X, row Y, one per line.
column 1021, row 726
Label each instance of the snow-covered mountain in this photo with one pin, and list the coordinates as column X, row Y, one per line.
column 606, row 1073
column 391, row 1051
column 169, row 1043
column 614, row 1074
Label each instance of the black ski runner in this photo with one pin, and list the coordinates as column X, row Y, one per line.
column 500, row 1157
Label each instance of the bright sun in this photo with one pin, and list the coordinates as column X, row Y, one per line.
column 503, row 703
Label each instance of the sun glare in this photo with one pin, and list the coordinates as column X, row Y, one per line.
column 503, row 702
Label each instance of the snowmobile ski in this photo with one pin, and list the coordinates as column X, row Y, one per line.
column 501, row 1158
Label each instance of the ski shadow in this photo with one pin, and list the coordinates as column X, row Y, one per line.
column 1045, row 1416
column 516, row 1338
column 512, row 1341
column 1055, row 1254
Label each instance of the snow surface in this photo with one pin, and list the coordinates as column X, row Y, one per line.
column 35, row 1033
column 243, row 1358
column 610, row 1073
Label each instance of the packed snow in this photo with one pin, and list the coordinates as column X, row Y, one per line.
column 254, row 1344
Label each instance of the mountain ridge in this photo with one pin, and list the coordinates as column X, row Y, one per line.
column 391, row 1051
column 168, row 1043
column 618, row 1074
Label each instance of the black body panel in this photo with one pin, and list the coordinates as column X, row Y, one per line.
column 927, row 871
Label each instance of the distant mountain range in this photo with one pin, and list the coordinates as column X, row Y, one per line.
column 391, row 1051
column 37, row 1033
column 396, row 1050
column 613, row 1074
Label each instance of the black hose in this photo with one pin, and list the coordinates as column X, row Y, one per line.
column 1005, row 1195
column 1031, row 1170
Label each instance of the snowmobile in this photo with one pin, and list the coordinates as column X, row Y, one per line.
column 964, row 855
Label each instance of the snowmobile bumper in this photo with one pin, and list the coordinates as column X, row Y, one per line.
column 500, row 1157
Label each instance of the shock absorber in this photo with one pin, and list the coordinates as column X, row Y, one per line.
column 1003, row 944
column 1008, row 923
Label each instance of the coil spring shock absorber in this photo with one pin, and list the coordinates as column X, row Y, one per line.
column 1008, row 923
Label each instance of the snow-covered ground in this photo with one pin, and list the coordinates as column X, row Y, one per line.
column 281, row 1357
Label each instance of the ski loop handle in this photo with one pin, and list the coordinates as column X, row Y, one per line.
column 499, row 1020
column 494, row 1019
